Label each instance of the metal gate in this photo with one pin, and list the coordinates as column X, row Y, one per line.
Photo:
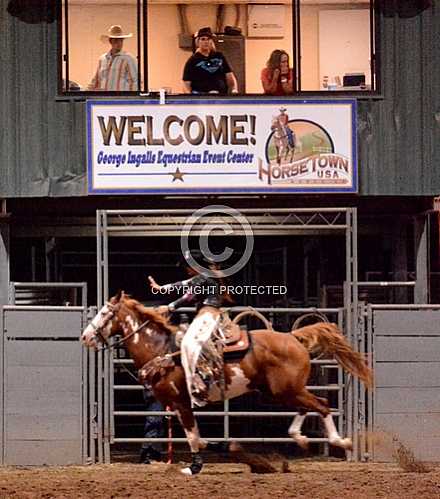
column 404, row 341
column 331, row 385
column 279, row 221
column 44, row 412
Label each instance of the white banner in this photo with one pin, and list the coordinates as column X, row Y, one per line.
column 254, row 146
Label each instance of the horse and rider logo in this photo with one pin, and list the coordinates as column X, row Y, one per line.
column 301, row 151
column 293, row 140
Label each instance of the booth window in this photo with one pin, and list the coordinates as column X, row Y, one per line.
column 330, row 45
column 102, row 46
column 335, row 45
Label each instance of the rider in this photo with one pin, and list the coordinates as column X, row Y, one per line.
column 204, row 290
column 283, row 118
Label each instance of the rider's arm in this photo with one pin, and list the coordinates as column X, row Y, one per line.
column 187, row 297
column 178, row 284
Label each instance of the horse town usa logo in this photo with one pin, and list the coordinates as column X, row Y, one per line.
column 301, row 152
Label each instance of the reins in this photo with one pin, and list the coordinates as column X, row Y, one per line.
column 108, row 346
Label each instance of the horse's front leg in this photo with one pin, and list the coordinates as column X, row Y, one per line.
column 187, row 420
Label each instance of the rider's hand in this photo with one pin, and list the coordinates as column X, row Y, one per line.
column 153, row 283
column 276, row 74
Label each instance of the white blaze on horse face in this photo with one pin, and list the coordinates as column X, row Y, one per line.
column 98, row 322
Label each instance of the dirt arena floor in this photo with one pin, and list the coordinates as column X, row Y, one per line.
column 305, row 479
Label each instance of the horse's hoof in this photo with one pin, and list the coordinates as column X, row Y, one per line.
column 344, row 443
column 195, row 467
column 301, row 440
column 191, row 470
column 347, row 444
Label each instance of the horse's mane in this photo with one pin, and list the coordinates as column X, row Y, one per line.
column 149, row 313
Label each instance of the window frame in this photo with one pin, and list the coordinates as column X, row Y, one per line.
column 143, row 66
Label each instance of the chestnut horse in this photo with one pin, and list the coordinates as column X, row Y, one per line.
column 276, row 363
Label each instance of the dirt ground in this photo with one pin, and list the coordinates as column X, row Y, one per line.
column 305, row 479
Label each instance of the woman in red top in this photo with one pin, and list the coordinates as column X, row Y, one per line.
column 277, row 76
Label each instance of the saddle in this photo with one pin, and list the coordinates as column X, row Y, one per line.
column 235, row 338
column 236, row 342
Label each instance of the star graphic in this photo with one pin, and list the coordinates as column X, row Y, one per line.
column 177, row 175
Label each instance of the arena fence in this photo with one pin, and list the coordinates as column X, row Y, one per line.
column 403, row 342
column 47, row 376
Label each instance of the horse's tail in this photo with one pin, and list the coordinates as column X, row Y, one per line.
column 327, row 338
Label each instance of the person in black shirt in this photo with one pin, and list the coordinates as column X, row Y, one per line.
column 208, row 71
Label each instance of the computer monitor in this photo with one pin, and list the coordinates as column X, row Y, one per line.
column 353, row 79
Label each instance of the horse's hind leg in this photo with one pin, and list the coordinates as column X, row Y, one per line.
column 187, row 420
column 333, row 436
column 295, row 430
column 308, row 400
column 305, row 402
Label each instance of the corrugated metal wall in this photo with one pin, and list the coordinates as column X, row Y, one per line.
column 399, row 137
column 42, row 141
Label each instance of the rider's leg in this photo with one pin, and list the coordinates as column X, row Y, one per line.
column 197, row 335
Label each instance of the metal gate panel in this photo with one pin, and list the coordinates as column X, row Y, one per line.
column 408, row 349
column 399, row 322
column 264, row 222
column 43, row 386
column 406, row 401
column 338, row 407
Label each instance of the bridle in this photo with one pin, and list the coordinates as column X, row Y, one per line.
column 101, row 338
column 98, row 329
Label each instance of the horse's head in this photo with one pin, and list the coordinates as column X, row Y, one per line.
column 128, row 317
column 104, row 324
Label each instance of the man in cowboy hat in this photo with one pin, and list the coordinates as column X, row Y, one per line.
column 208, row 71
column 117, row 70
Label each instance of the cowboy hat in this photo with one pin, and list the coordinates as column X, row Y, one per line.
column 116, row 31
